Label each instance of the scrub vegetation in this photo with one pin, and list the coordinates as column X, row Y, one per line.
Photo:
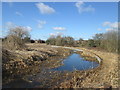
column 106, row 41
column 28, row 61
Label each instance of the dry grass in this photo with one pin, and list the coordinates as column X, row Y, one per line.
column 107, row 73
column 104, row 76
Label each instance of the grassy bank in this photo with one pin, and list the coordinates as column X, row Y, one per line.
column 105, row 76
column 18, row 63
column 33, row 67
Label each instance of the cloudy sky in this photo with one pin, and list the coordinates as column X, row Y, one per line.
column 76, row 19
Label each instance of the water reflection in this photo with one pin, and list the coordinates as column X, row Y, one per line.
column 75, row 61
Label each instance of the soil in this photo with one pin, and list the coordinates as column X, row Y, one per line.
column 32, row 68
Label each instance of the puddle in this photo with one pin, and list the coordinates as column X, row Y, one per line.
column 76, row 62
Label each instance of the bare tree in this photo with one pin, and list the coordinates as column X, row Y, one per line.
column 111, row 41
column 15, row 38
column 19, row 31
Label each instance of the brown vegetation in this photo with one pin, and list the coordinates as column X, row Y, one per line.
column 15, row 38
column 107, row 41
column 20, row 62
column 105, row 76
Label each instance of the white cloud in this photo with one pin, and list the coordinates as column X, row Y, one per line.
column 28, row 28
column 109, row 29
column 111, row 26
column 52, row 34
column 59, row 33
column 82, row 8
column 12, row 25
column 18, row 13
column 99, row 29
column 41, row 24
column 45, row 9
column 56, row 34
column 9, row 25
column 59, row 28
column 107, row 23
column 114, row 25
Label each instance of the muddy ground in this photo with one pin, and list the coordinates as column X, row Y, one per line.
column 35, row 60
column 32, row 68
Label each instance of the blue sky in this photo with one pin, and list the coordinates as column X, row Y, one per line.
column 76, row 19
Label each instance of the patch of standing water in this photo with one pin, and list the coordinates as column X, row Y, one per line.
column 76, row 62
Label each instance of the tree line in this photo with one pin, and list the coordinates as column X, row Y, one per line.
column 61, row 41
column 109, row 41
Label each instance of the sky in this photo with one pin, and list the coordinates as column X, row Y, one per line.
column 45, row 19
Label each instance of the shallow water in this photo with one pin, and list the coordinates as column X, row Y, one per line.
column 46, row 78
column 76, row 62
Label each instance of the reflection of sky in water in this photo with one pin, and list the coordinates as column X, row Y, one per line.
column 75, row 61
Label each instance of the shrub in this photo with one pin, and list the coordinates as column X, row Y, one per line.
column 15, row 38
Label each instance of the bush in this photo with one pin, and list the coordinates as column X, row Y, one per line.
column 110, row 41
column 107, row 41
column 61, row 41
column 91, row 43
column 15, row 38
column 13, row 43
column 26, row 39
